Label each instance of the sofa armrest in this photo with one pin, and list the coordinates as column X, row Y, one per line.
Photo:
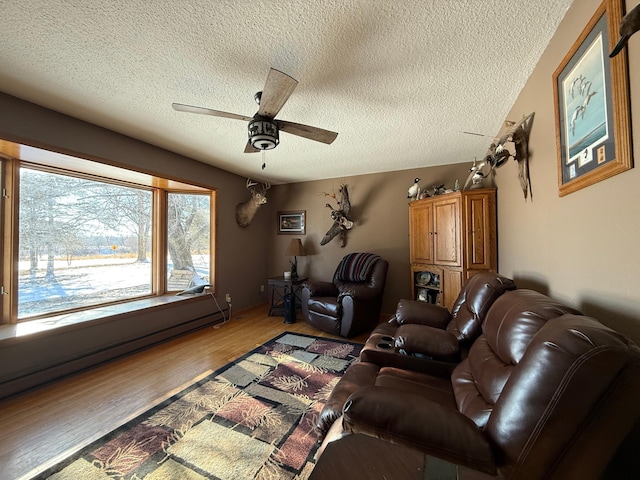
column 413, row 420
column 428, row 341
column 319, row 288
column 354, row 377
column 422, row 313
column 362, row 293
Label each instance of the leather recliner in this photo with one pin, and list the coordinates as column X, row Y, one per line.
column 544, row 393
column 351, row 303
column 425, row 337
column 421, row 337
column 526, row 308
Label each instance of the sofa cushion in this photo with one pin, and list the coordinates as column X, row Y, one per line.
column 473, row 304
column 429, row 386
column 515, row 318
column 509, row 326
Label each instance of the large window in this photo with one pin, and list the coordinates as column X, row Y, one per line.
column 89, row 234
column 82, row 242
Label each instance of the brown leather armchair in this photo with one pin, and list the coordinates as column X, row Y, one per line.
column 351, row 303
column 544, row 393
column 426, row 337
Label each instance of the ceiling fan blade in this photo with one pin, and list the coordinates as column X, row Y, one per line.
column 208, row 111
column 277, row 90
column 306, row 131
column 250, row 148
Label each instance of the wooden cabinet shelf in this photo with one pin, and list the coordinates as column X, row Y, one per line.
column 451, row 237
column 426, row 283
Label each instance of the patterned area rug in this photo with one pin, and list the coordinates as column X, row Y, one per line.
column 252, row 419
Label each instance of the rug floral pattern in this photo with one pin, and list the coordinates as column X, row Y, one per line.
column 252, row 419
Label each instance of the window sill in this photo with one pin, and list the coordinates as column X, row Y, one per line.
column 55, row 324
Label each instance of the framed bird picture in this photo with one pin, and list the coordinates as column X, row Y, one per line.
column 591, row 93
column 292, row 222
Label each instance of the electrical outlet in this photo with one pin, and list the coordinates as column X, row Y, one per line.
column 262, row 288
column 227, row 298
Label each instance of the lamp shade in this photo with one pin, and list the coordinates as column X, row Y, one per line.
column 295, row 248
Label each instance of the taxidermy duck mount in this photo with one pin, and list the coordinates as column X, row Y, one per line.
column 414, row 190
column 498, row 154
column 341, row 216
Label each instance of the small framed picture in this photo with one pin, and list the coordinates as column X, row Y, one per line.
column 292, row 222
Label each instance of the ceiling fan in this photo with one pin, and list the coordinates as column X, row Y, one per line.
column 263, row 127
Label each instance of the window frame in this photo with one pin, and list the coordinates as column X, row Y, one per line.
column 15, row 156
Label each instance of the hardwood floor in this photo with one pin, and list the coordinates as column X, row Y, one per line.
column 44, row 425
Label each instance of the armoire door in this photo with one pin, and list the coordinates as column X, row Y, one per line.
column 421, row 232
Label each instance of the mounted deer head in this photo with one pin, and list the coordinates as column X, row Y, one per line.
column 247, row 210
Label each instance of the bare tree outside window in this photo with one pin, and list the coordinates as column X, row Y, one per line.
column 188, row 240
column 82, row 242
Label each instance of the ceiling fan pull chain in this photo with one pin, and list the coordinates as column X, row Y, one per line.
column 264, row 163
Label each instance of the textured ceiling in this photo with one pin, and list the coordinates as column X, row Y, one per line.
column 398, row 80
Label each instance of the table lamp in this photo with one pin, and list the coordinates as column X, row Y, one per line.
column 295, row 250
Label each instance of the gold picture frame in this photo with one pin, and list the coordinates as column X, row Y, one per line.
column 592, row 110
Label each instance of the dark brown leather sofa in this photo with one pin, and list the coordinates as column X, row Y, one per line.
column 544, row 393
column 348, row 305
column 424, row 337
column 421, row 337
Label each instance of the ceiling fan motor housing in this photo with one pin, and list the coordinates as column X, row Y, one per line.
column 263, row 133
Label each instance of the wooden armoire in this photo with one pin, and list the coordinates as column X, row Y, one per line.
column 451, row 237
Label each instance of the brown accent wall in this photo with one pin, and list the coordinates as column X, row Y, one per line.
column 380, row 211
column 584, row 248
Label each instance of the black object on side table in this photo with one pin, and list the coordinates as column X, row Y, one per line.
column 285, row 296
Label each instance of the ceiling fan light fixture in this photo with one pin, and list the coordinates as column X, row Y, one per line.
column 263, row 129
column 263, row 133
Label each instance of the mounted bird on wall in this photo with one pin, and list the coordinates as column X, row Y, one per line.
column 629, row 25
column 341, row 216
column 498, row 154
column 477, row 173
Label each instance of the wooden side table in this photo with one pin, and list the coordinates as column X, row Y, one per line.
column 280, row 288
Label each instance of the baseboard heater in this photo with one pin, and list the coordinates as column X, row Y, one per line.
column 56, row 372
